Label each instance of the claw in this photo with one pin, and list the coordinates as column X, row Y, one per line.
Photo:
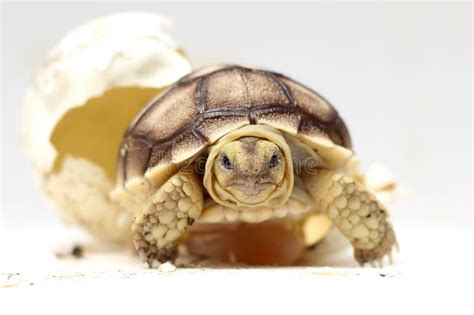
column 380, row 262
column 390, row 258
column 372, row 264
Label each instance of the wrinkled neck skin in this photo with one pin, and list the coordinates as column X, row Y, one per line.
column 250, row 171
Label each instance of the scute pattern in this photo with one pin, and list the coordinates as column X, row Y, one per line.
column 310, row 102
column 225, row 89
column 176, row 108
column 211, row 102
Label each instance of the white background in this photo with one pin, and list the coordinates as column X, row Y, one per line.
column 399, row 74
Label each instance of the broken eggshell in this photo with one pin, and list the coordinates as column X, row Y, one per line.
column 84, row 96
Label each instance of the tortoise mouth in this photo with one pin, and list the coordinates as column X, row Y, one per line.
column 251, row 194
column 253, row 190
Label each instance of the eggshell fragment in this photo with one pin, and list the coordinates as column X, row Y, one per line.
column 85, row 94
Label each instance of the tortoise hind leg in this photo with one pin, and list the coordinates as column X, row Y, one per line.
column 165, row 217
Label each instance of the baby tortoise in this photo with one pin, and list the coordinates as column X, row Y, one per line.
column 246, row 145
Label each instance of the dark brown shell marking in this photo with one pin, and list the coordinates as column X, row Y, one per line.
column 209, row 103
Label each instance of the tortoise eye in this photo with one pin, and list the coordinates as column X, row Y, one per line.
column 226, row 162
column 273, row 161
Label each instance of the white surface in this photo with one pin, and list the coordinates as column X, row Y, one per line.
column 400, row 75
column 430, row 274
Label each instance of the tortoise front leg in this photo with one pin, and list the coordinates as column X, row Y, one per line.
column 165, row 217
column 356, row 212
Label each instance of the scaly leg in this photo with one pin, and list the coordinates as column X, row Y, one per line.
column 356, row 212
column 164, row 218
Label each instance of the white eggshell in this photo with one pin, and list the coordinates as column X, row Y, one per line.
column 124, row 50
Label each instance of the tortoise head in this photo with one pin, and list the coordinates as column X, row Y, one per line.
column 249, row 171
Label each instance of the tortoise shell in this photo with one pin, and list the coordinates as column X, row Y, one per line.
column 209, row 103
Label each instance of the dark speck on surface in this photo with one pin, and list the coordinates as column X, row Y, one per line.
column 76, row 251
